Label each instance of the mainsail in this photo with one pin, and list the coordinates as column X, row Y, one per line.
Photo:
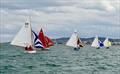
column 74, row 40
column 24, row 37
column 107, row 43
column 95, row 43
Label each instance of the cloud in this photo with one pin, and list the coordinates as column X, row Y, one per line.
column 59, row 18
column 103, row 5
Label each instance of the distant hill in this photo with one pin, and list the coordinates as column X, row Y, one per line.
column 87, row 40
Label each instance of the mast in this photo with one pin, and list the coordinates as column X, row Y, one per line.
column 31, row 32
column 28, row 21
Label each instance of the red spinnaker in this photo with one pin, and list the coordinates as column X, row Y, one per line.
column 47, row 42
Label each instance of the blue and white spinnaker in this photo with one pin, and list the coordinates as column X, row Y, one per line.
column 37, row 42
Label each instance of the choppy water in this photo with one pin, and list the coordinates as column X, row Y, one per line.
column 60, row 60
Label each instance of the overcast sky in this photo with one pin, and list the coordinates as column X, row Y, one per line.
column 59, row 18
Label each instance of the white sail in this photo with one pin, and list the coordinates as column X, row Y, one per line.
column 73, row 40
column 24, row 37
column 107, row 43
column 95, row 43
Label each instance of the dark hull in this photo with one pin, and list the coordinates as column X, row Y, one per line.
column 98, row 48
column 107, row 47
column 76, row 49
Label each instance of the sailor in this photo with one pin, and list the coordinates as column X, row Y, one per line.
column 28, row 48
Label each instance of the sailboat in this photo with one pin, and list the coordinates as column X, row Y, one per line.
column 107, row 43
column 27, row 39
column 46, row 41
column 97, row 43
column 75, row 41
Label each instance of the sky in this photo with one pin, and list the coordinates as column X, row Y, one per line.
column 59, row 18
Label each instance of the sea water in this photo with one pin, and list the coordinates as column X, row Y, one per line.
column 60, row 59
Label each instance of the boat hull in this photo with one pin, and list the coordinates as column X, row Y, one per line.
column 107, row 47
column 45, row 49
column 98, row 48
column 76, row 49
column 34, row 51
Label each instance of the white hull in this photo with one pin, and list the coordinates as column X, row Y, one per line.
column 42, row 49
column 34, row 51
column 47, row 48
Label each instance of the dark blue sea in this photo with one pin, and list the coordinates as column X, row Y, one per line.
column 60, row 59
